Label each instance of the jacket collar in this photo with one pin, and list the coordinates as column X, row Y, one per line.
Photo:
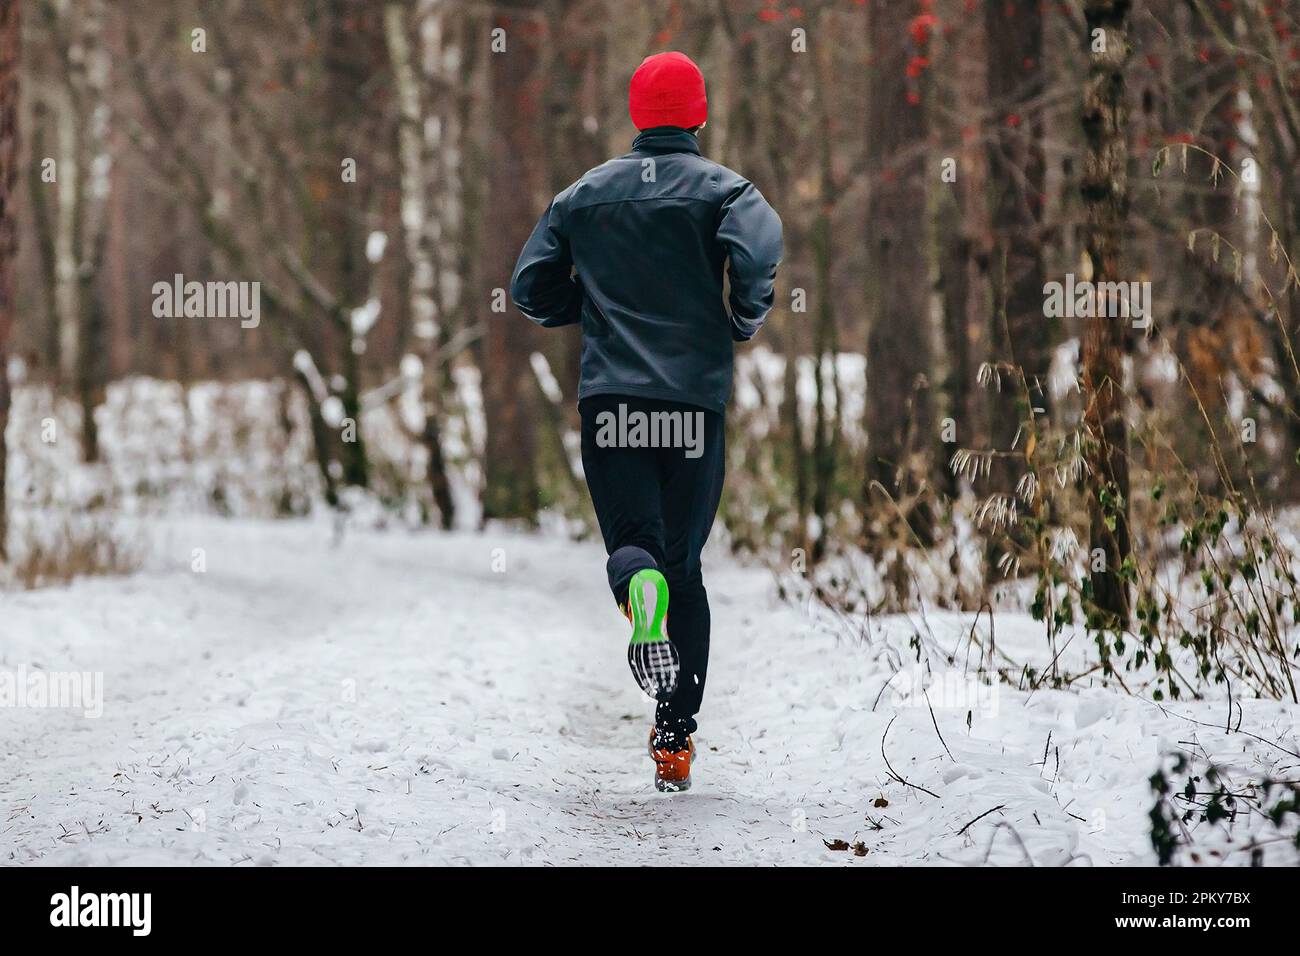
column 666, row 139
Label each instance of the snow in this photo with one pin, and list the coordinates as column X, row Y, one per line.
column 364, row 317
column 390, row 698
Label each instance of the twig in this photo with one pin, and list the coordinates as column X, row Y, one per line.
column 935, row 721
column 1000, row 806
column 1201, row 723
column 890, row 769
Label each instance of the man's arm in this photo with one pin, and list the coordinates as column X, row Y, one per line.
column 750, row 231
column 543, row 286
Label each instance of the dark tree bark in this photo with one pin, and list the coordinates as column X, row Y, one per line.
column 575, row 141
column 964, row 238
column 353, row 45
column 576, row 144
column 899, row 419
column 517, row 176
column 9, row 46
column 1021, row 334
column 826, row 425
column 1105, row 195
column 92, row 357
column 1204, row 294
column 42, row 199
column 91, row 233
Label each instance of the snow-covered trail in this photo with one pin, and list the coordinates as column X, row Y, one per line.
column 397, row 699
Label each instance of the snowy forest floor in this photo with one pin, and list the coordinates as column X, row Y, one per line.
column 394, row 699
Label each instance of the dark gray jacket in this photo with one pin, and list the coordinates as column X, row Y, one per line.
column 634, row 250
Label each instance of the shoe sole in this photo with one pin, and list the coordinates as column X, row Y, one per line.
column 650, row 654
column 668, row 786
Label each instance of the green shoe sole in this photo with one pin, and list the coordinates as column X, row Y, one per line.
column 650, row 654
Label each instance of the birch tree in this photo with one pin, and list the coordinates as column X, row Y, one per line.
column 416, row 153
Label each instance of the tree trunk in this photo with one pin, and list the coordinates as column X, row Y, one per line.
column 826, row 427
column 91, row 364
column 516, row 178
column 964, row 240
column 1105, row 196
column 418, row 233
column 1206, row 290
column 1285, row 334
column 43, row 200
column 899, row 419
column 576, row 144
column 1021, row 334
column 353, row 38
column 9, row 40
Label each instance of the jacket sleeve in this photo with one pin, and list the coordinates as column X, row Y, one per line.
column 543, row 286
column 750, row 231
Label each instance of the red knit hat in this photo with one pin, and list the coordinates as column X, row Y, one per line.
column 667, row 90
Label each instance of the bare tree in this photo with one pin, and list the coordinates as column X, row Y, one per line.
column 79, row 227
column 899, row 417
column 516, row 177
column 1105, row 195
column 419, row 160
column 9, row 49
column 826, row 347
column 964, row 237
column 1020, row 333
column 304, row 233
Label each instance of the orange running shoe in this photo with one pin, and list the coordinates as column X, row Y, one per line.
column 672, row 762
